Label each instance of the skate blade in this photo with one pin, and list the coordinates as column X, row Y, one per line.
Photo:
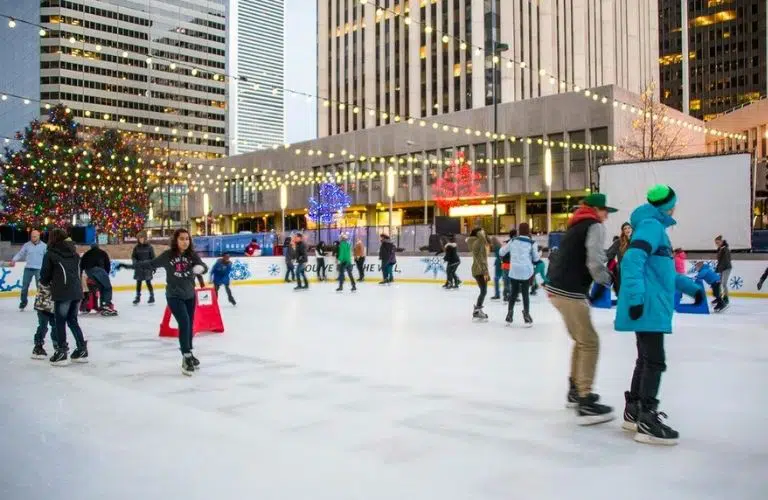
column 187, row 373
column 527, row 325
column 595, row 419
column 81, row 361
column 571, row 406
column 61, row 363
column 629, row 426
column 648, row 439
column 39, row 356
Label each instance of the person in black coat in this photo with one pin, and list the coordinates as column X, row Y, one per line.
column 61, row 272
column 301, row 262
column 320, row 251
column 143, row 252
column 97, row 266
column 723, row 265
column 452, row 261
column 388, row 258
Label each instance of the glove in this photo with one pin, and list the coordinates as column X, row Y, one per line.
column 120, row 265
column 198, row 269
column 597, row 294
column 698, row 298
column 636, row 311
column 760, row 285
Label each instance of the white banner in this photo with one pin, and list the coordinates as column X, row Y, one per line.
column 427, row 269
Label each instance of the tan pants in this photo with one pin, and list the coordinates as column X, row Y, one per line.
column 576, row 314
column 724, row 276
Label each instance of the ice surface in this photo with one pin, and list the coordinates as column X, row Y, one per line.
column 391, row 393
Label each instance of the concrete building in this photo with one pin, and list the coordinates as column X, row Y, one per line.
column 255, row 53
column 153, row 67
column 713, row 54
column 580, row 130
column 421, row 58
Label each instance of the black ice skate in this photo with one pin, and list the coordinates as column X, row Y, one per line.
column 59, row 358
column 590, row 412
column 510, row 318
column 80, row 355
column 721, row 306
column 195, row 361
column 151, row 299
column 233, row 302
column 354, row 288
column 528, row 321
column 340, row 289
column 187, row 365
column 631, row 409
column 136, row 300
column 479, row 315
column 651, row 430
column 39, row 353
column 108, row 310
column 572, row 400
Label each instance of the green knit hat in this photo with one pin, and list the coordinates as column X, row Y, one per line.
column 662, row 197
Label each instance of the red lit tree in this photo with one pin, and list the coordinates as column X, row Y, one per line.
column 458, row 181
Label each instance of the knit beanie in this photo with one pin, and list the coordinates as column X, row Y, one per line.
column 662, row 197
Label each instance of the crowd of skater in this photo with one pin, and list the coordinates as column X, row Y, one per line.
column 641, row 266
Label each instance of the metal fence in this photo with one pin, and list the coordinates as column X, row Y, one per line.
column 407, row 238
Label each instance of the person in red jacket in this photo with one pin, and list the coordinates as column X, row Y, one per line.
column 253, row 249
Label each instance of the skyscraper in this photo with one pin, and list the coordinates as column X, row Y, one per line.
column 420, row 58
column 148, row 66
column 255, row 54
column 727, row 54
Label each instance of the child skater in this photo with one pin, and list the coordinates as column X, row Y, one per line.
column 44, row 308
column 181, row 265
column 220, row 276
column 705, row 273
column 523, row 256
column 645, row 306
column 452, row 261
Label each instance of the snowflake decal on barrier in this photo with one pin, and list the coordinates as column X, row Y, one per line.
column 273, row 269
column 3, row 286
column 736, row 282
column 113, row 268
column 434, row 265
column 240, row 271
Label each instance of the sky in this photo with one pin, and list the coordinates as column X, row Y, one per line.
column 20, row 60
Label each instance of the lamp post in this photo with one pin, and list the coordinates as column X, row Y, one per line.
column 498, row 48
column 206, row 208
column 391, row 194
column 548, row 183
column 283, row 203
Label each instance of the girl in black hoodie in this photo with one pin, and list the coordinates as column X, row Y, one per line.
column 61, row 272
column 452, row 261
column 181, row 265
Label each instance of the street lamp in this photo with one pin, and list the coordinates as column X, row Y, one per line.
column 206, row 208
column 498, row 48
column 391, row 194
column 283, row 202
column 548, row 183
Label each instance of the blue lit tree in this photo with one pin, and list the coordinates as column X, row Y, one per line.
column 330, row 200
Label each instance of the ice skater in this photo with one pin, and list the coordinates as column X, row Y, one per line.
column 705, row 273
column 452, row 262
column 646, row 304
column 360, row 259
column 580, row 259
column 220, row 273
column 523, row 256
column 344, row 262
column 301, row 262
column 181, row 265
column 96, row 265
column 61, row 272
column 143, row 251
column 45, row 317
column 320, row 251
column 33, row 252
column 723, row 265
column 289, row 253
column 388, row 259
column 478, row 245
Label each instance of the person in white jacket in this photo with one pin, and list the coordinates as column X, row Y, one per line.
column 523, row 256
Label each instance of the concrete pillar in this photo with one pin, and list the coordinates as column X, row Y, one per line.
column 520, row 213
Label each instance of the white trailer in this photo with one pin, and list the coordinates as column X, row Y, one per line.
column 714, row 197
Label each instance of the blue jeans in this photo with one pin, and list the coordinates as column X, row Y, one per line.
column 43, row 320
column 101, row 277
column 289, row 272
column 388, row 274
column 346, row 268
column 66, row 312
column 301, row 272
column 184, row 312
column 26, row 280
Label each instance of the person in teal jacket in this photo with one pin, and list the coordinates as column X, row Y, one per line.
column 645, row 306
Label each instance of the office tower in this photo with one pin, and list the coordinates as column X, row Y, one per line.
column 422, row 58
column 727, row 63
column 155, row 67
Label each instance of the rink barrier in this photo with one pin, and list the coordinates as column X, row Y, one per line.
column 427, row 270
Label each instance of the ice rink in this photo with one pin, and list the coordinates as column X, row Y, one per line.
column 389, row 393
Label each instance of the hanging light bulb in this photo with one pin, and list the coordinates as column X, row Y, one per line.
column 43, row 32
column 11, row 23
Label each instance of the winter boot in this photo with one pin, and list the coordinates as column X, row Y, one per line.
column 187, row 364
column 59, row 358
column 631, row 409
column 479, row 315
column 590, row 412
column 572, row 400
column 528, row 321
column 80, row 355
column 39, row 352
column 650, row 428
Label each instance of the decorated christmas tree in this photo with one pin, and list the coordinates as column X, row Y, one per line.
column 330, row 201
column 458, row 181
column 46, row 179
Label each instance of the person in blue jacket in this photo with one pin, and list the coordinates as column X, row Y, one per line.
column 705, row 273
column 645, row 306
column 220, row 276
